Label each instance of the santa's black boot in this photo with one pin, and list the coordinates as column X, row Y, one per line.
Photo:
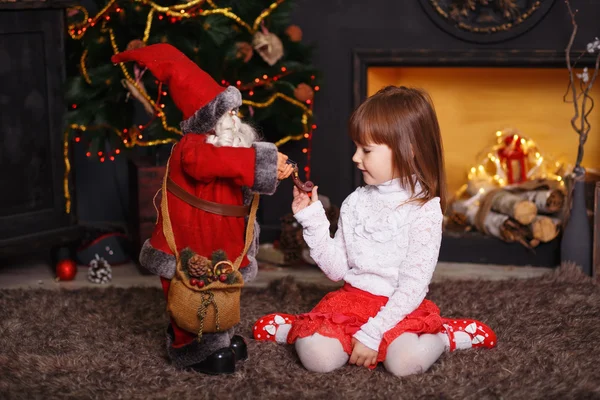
column 238, row 345
column 220, row 362
column 212, row 355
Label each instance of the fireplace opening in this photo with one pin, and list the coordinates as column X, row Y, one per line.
column 473, row 103
column 478, row 93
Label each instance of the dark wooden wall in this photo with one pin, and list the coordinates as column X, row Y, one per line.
column 337, row 28
column 32, row 206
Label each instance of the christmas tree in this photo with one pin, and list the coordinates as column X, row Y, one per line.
column 248, row 44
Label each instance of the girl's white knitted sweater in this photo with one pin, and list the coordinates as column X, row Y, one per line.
column 383, row 245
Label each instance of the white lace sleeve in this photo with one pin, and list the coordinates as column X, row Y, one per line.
column 416, row 271
column 329, row 254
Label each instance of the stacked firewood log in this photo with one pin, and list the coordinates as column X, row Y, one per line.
column 529, row 213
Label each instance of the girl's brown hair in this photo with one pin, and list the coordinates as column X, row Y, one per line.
column 405, row 120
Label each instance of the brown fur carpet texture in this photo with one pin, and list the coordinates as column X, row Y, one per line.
column 108, row 343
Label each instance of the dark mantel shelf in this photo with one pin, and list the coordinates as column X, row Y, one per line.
column 475, row 247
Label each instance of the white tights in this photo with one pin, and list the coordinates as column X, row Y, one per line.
column 407, row 355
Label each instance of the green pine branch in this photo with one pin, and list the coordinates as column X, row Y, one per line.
column 97, row 98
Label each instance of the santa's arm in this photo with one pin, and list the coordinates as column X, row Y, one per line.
column 255, row 167
column 155, row 255
column 265, row 168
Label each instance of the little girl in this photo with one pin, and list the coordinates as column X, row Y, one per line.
column 385, row 249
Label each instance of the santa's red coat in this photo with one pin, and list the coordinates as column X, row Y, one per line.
column 211, row 173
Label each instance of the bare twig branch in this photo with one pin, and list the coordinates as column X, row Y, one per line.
column 570, row 68
column 582, row 101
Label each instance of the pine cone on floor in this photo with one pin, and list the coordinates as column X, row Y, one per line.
column 99, row 271
column 199, row 266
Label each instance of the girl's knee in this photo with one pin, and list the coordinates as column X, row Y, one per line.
column 404, row 366
column 411, row 354
column 321, row 354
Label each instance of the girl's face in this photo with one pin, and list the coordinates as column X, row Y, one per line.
column 376, row 163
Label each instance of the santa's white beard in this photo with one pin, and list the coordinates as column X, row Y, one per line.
column 231, row 131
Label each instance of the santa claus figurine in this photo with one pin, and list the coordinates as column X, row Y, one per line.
column 214, row 172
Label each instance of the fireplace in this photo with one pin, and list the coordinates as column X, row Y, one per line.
column 476, row 93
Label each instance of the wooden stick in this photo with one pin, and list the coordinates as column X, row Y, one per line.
column 502, row 227
column 514, row 232
column 546, row 201
column 544, row 228
column 524, row 211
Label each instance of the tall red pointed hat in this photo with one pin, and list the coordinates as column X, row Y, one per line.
column 193, row 91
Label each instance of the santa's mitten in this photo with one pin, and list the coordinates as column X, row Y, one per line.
column 468, row 334
column 273, row 327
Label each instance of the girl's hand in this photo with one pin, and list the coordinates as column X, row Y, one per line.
column 362, row 355
column 283, row 169
column 302, row 200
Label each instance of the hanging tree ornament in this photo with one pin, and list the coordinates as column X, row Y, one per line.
column 304, row 92
column 294, row 32
column 244, row 51
column 267, row 45
column 139, row 94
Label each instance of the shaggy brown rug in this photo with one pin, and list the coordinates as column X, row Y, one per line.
column 109, row 343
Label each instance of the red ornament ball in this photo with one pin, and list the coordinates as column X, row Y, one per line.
column 201, row 284
column 223, row 277
column 66, row 270
column 193, row 282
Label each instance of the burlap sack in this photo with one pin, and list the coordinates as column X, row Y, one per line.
column 216, row 306
column 213, row 308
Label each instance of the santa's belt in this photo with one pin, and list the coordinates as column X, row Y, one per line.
column 228, row 210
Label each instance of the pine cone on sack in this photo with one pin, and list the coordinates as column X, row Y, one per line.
column 199, row 266
column 99, row 270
